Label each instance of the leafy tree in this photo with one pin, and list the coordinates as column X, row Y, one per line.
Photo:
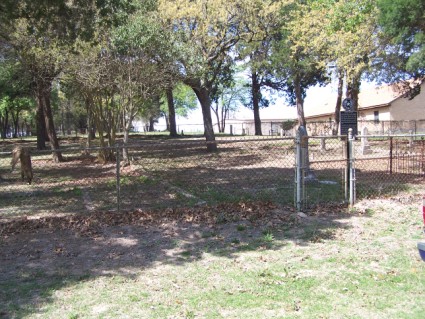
column 344, row 35
column 228, row 99
column 180, row 101
column 256, row 56
column 296, row 62
column 403, row 39
column 43, row 33
column 15, row 93
column 146, row 66
column 206, row 33
column 151, row 112
column 403, row 23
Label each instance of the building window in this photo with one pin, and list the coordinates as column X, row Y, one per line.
column 376, row 116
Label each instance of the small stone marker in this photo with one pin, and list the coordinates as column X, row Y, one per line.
column 364, row 142
column 322, row 144
column 411, row 138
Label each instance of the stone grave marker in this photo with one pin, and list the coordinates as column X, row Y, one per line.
column 365, row 147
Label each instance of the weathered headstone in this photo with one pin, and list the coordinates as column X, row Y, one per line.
column 323, row 144
column 365, row 147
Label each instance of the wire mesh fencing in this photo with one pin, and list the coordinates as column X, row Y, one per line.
column 386, row 165
column 324, row 174
column 160, row 174
column 78, row 184
column 183, row 173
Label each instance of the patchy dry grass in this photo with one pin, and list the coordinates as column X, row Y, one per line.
column 330, row 264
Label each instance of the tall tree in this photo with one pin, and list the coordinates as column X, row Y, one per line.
column 228, row 99
column 344, row 35
column 206, row 33
column 147, row 68
column 180, row 101
column 256, row 58
column 15, row 92
column 44, row 33
column 296, row 62
column 403, row 26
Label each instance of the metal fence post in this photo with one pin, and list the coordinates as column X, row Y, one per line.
column 298, row 173
column 117, row 152
column 351, row 168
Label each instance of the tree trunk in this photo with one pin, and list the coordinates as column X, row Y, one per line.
column 151, row 124
column 353, row 88
column 171, row 113
column 15, row 120
column 255, row 92
column 127, row 123
column 40, row 123
column 300, row 103
column 89, row 126
column 125, row 156
column 50, row 127
column 309, row 175
column 202, row 94
column 4, row 120
column 217, row 116
column 223, row 117
column 335, row 130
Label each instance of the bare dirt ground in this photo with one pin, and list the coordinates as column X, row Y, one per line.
column 49, row 240
column 108, row 243
column 101, row 243
column 76, row 247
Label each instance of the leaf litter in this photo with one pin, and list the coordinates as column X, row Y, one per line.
column 91, row 223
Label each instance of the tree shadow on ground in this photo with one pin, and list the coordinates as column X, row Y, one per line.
column 41, row 256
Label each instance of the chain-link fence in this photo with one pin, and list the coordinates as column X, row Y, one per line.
column 385, row 165
column 182, row 173
column 79, row 184
column 150, row 175
column 346, row 168
column 324, row 174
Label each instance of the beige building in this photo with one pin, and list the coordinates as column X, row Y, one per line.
column 382, row 109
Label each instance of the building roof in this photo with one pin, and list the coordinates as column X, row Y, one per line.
column 369, row 97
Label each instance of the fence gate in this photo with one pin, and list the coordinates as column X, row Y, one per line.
column 347, row 168
column 322, row 170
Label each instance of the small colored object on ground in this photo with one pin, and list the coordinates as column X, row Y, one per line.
column 421, row 248
column 423, row 211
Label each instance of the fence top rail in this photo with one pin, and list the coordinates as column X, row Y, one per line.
column 200, row 142
column 204, row 142
column 65, row 150
column 390, row 135
column 360, row 136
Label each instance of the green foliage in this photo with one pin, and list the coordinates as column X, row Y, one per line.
column 288, row 125
column 126, row 52
column 403, row 22
column 184, row 100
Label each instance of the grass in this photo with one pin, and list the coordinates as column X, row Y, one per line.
column 364, row 264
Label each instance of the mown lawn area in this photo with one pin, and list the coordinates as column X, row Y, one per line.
column 269, row 262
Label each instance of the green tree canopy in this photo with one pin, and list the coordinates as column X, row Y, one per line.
column 403, row 23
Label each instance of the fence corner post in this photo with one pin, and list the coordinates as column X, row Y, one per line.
column 351, row 168
column 298, row 173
